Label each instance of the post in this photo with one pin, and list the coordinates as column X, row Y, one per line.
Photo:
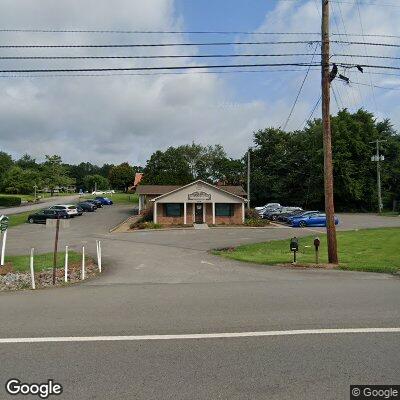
column 32, row 270
column 98, row 248
column 213, row 213
column 155, row 212
column 248, row 178
column 243, row 214
column 99, row 260
column 184, row 213
column 55, row 251
column 378, row 177
column 327, row 137
column 3, row 247
column 66, row 265
column 83, row 263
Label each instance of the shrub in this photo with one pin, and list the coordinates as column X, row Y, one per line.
column 256, row 222
column 146, row 215
column 252, row 214
column 145, row 225
column 10, row 201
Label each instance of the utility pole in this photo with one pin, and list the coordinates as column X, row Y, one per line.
column 378, row 158
column 248, row 178
column 327, row 136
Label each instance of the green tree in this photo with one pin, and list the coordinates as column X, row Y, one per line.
column 6, row 162
column 21, row 181
column 122, row 176
column 27, row 162
column 98, row 182
column 54, row 174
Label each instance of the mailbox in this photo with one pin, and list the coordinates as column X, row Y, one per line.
column 317, row 242
column 294, row 244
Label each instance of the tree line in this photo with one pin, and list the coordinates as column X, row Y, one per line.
column 286, row 167
column 23, row 175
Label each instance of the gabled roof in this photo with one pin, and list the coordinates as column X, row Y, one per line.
column 238, row 189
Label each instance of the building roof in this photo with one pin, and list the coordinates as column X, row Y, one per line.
column 163, row 189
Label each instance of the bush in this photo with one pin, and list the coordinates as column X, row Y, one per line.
column 256, row 222
column 145, row 225
column 252, row 214
column 146, row 215
column 10, row 201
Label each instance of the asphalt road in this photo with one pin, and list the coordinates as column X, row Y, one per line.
column 166, row 283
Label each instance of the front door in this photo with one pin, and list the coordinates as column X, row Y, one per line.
column 198, row 213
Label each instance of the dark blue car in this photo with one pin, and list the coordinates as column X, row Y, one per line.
column 311, row 220
column 105, row 201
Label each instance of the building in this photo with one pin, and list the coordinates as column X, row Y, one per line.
column 197, row 202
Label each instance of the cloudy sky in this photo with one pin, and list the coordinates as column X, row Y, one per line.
column 125, row 116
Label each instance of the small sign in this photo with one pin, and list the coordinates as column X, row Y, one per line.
column 4, row 223
column 199, row 196
column 52, row 223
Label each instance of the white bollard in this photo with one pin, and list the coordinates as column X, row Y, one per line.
column 32, row 270
column 83, row 263
column 66, row 265
column 99, row 254
column 3, row 247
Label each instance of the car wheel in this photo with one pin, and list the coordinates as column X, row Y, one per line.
column 302, row 224
column 31, row 221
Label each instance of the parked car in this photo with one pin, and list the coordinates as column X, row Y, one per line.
column 97, row 203
column 69, row 208
column 312, row 220
column 79, row 209
column 86, row 206
column 267, row 207
column 104, row 201
column 40, row 217
column 284, row 217
column 300, row 214
column 273, row 215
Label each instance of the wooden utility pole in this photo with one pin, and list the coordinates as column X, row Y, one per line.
column 327, row 135
column 55, row 250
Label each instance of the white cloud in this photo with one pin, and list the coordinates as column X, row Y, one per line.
column 126, row 118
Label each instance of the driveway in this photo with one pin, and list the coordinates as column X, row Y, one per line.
column 166, row 283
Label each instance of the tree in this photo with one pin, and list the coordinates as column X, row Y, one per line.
column 18, row 180
column 6, row 162
column 27, row 162
column 122, row 176
column 54, row 174
column 98, row 182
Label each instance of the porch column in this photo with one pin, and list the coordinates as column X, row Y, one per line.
column 184, row 213
column 204, row 212
column 243, row 213
column 213, row 213
column 155, row 212
column 140, row 203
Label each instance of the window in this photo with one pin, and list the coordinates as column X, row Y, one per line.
column 173, row 210
column 224, row 210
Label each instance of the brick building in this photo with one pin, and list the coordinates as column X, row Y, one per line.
column 197, row 202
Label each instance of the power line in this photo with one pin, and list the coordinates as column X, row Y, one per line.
column 309, row 42
column 311, row 113
column 299, row 91
column 157, row 68
column 24, row 46
column 122, row 31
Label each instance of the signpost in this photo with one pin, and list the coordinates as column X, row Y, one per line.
column 3, row 229
column 294, row 247
column 56, row 223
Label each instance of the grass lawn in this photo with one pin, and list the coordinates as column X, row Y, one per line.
column 372, row 250
column 44, row 261
column 20, row 218
column 120, row 198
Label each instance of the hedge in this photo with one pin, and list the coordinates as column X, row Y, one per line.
column 10, row 201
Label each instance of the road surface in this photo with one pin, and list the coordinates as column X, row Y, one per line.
column 167, row 284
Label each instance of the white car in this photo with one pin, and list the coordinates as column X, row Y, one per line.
column 98, row 192
column 71, row 210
